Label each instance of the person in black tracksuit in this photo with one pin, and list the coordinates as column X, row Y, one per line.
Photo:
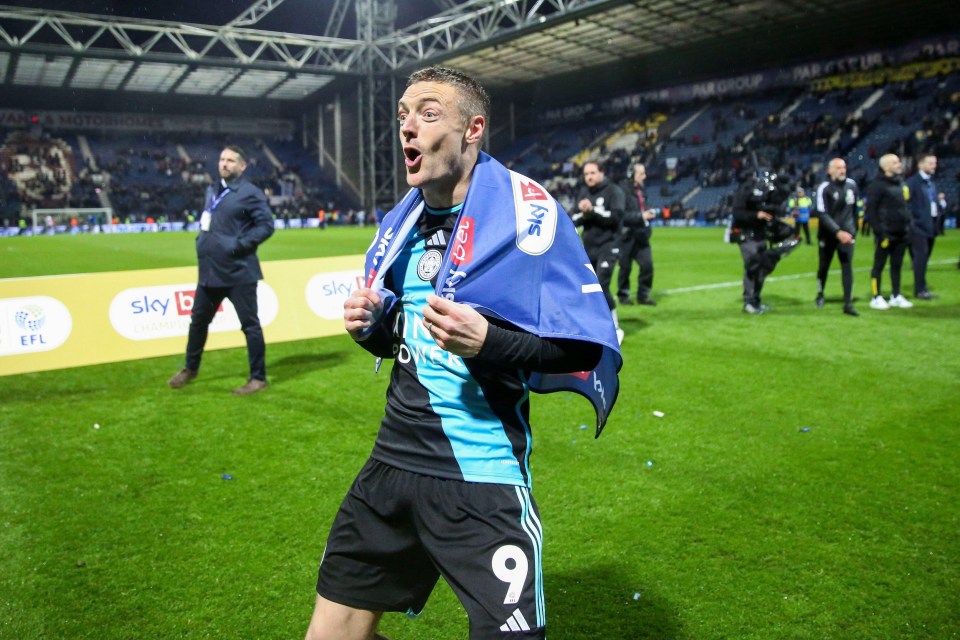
column 753, row 218
column 236, row 220
column 635, row 232
column 892, row 222
column 836, row 208
column 600, row 205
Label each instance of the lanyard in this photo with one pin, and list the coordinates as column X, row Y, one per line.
column 217, row 199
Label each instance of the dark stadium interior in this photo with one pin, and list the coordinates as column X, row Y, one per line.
column 640, row 49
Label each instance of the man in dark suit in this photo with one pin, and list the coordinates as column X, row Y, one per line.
column 925, row 208
column 235, row 221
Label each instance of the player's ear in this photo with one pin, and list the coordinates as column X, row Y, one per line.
column 475, row 127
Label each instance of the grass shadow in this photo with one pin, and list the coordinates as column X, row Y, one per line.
column 295, row 366
column 605, row 597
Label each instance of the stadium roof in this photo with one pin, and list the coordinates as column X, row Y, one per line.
column 290, row 49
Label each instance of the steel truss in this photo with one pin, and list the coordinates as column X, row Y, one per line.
column 84, row 35
column 377, row 57
column 473, row 24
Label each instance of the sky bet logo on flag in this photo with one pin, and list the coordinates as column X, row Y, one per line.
column 36, row 323
column 149, row 313
column 536, row 215
column 462, row 250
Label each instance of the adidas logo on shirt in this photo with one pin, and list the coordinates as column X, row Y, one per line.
column 515, row 622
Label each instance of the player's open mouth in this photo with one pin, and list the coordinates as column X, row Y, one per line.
column 412, row 157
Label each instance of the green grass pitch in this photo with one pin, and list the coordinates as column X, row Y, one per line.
column 801, row 482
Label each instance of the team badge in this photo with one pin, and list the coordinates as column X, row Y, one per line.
column 429, row 264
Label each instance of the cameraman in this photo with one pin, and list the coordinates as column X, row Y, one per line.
column 757, row 205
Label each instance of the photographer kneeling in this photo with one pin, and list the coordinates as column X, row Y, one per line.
column 763, row 237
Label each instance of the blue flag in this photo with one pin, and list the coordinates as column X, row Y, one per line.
column 513, row 241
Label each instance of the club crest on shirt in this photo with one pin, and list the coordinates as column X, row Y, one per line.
column 429, row 264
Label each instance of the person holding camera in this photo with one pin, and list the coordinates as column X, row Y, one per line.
column 757, row 207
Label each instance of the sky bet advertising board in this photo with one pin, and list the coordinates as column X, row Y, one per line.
column 69, row 321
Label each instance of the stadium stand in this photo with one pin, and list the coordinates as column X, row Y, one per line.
column 699, row 150
column 147, row 177
column 695, row 153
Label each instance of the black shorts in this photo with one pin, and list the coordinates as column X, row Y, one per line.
column 398, row 531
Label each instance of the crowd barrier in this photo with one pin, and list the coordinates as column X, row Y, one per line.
column 56, row 322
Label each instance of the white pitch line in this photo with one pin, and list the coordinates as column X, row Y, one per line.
column 739, row 283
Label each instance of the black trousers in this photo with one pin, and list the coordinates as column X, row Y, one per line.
column 895, row 249
column 603, row 258
column 638, row 249
column 920, row 248
column 205, row 304
column 829, row 246
column 754, row 272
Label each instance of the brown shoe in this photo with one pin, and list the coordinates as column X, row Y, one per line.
column 182, row 378
column 253, row 385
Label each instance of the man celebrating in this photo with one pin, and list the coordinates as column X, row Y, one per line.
column 477, row 286
column 837, row 211
column 890, row 218
column 635, row 235
column 235, row 222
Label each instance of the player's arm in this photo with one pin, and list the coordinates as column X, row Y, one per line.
column 826, row 220
column 513, row 348
column 261, row 223
column 462, row 330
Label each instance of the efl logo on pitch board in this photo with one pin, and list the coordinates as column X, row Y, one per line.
column 31, row 324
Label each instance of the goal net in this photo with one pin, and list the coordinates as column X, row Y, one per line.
column 89, row 220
